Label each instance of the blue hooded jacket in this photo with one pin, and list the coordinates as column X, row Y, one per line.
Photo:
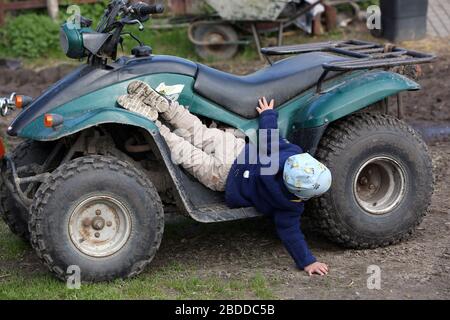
column 246, row 186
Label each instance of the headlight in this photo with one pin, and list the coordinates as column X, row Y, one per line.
column 71, row 40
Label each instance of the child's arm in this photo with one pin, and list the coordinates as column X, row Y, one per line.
column 268, row 120
column 268, row 127
column 267, row 116
column 288, row 229
column 287, row 224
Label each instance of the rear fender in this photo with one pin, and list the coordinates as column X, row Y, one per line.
column 351, row 95
column 342, row 99
column 341, row 96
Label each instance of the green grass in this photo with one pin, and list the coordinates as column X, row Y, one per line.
column 259, row 285
column 171, row 42
column 11, row 247
column 22, row 277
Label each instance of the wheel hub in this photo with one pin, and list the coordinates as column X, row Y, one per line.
column 99, row 226
column 216, row 38
column 216, row 41
column 98, row 223
column 379, row 185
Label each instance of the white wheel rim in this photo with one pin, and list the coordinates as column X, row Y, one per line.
column 379, row 185
column 99, row 226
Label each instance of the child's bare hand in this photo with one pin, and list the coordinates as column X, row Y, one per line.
column 263, row 105
column 318, row 268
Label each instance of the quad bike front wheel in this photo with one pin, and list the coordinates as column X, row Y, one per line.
column 27, row 156
column 100, row 214
column 382, row 181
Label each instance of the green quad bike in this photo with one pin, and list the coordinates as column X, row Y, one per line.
column 91, row 183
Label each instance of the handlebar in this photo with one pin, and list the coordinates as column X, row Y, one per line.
column 133, row 14
column 144, row 9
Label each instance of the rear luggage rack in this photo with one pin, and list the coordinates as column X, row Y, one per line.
column 362, row 55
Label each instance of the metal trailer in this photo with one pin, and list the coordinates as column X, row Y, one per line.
column 217, row 35
column 239, row 22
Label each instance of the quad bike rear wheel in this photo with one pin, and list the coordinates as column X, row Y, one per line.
column 98, row 213
column 382, row 181
column 28, row 153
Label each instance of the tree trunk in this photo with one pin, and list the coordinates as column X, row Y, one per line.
column 52, row 7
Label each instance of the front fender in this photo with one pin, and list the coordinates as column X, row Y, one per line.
column 72, row 106
column 76, row 122
column 352, row 95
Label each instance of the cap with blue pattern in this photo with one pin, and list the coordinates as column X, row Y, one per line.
column 306, row 177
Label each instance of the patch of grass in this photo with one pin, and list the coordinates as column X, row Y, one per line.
column 260, row 287
column 248, row 53
column 364, row 4
column 29, row 35
column 170, row 42
column 174, row 280
column 11, row 246
column 195, row 287
column 165, row 283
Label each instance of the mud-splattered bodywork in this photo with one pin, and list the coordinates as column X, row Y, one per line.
column 87, row 98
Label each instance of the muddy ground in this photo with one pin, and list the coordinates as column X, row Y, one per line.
column 417, row 268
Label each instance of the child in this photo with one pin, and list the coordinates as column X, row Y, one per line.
column 224, row 162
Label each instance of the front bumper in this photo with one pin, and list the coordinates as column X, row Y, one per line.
column 17, row 186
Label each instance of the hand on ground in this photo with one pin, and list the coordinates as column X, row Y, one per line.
column 317, row 268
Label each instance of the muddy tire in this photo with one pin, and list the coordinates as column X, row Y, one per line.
column 382, row 181
column 98, row 213
column 211, row 33
column 14, row 214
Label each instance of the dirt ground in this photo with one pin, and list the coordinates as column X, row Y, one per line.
column 416, row 269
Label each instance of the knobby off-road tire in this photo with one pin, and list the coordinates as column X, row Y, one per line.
column 14, row 214
column 364, row 153
column 98, row 213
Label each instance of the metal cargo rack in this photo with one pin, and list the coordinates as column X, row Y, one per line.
column 362, row 55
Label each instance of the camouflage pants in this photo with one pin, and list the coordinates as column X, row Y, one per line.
column 206, row 153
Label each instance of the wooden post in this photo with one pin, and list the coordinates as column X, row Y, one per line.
column 177, row 7
column 2, row 12
column 317, row 28
column 53, row 8
column 330, row 17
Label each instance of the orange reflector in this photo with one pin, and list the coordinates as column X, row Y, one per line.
column 2, row 149
column 48, row 120
column 18, row 101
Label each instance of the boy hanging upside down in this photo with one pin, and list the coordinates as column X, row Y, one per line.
column 223, row 162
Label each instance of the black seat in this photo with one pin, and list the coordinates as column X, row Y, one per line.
column 282, row 81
